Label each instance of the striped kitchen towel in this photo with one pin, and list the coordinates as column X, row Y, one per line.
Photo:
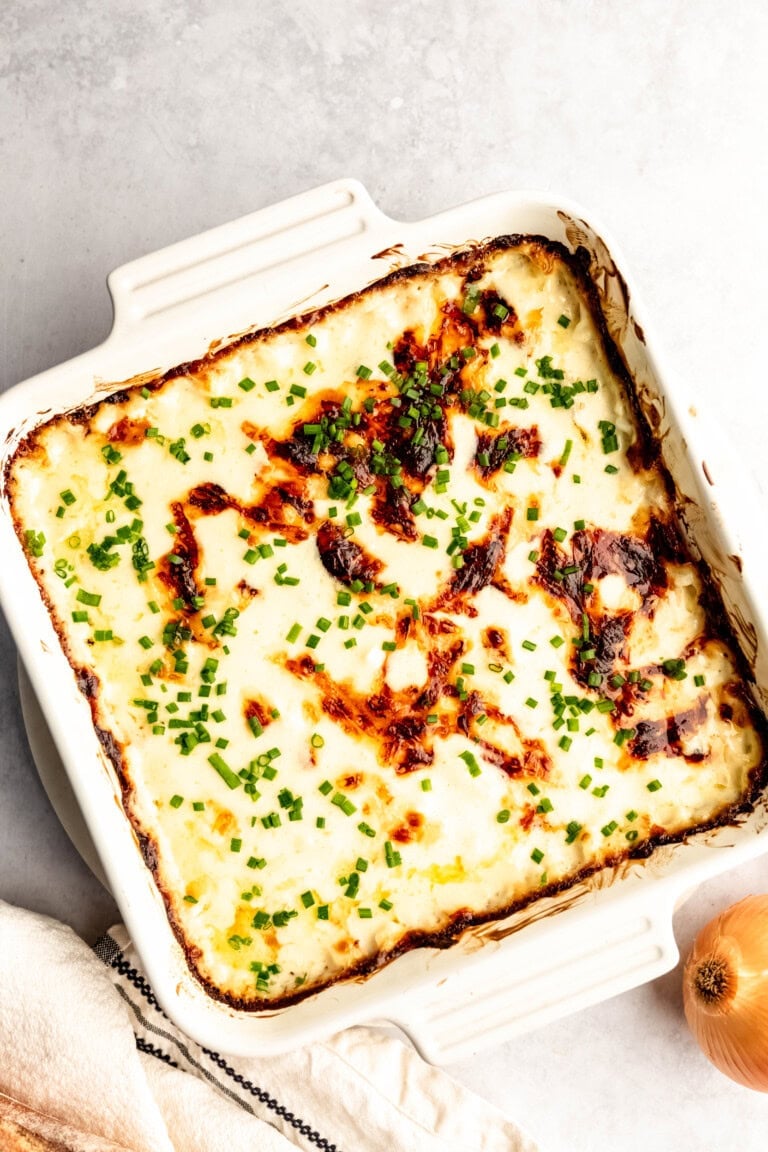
column 85, row 1047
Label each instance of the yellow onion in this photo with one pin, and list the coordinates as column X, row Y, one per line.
column 725, row 992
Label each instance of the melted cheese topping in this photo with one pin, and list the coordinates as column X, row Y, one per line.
column 390, row 620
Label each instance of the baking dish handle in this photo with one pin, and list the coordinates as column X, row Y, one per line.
column 221, row 259
column 541, row 979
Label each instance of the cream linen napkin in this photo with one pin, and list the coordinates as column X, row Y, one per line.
column 83, row 1040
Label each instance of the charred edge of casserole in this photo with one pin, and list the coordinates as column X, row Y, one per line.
column 646, row 455
column 86, row 679
column 462, row 260
column 459, row 923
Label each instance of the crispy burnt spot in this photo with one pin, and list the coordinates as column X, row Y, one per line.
column 284, row 509
column 258, row 714
column 600, row 553
column 391, row 509
column 396, row 721
column 608, row 640
column 128, row 432
column 513, row 444
column 210, row 498
column 443, row 649
column 498, row 317
column 87, row 682
column 482, row 561
column 178, row 568
column 298, row 451
column 528, row 758
column 409, row 829
column 334, row 439
column 404, row 724
column 594, row 554
column 417, row 456
column 85, row 414
column 533, row 761
column 597, row 553
column 289, row 495
column 318, row 437
column 384, row 717
column 497, row 641
column 469, row 710
column 247, row 591
column 342, row 557
column 667, row 734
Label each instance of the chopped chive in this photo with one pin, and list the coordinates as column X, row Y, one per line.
column 223, row 769
column 471, row 762
column 571, row 831
column 93, row 599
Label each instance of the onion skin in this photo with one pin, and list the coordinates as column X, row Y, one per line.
column 725, row 992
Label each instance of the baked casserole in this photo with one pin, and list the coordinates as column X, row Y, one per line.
column 386, row 621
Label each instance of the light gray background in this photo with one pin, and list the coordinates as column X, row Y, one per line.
column 127, row 125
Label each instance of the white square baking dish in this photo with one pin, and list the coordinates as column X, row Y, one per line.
column 593, row 940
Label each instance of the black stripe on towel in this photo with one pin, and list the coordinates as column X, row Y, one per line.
column 150, row 1049
column 109, row 952
column 279, row 1109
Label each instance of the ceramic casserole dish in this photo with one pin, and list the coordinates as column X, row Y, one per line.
column 599, row 936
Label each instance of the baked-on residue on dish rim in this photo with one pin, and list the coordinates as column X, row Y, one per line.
column 461, row 778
